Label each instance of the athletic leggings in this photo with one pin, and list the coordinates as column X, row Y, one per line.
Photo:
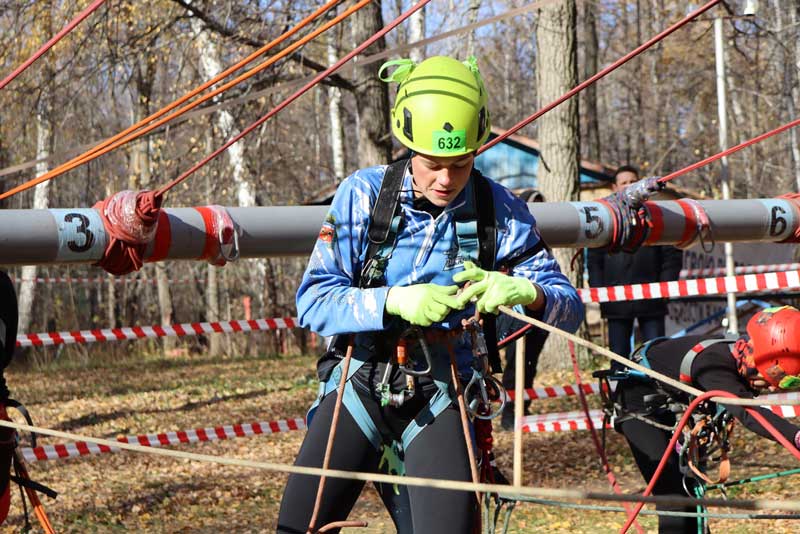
column 648, row 444
column 438, row 451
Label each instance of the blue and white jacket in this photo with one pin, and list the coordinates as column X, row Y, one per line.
column 426, row 250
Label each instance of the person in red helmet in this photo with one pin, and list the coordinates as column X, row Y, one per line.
column 765, row 359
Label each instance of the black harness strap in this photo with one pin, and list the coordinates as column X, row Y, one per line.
column 386, row 205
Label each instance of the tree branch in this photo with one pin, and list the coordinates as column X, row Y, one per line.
column 213, row 25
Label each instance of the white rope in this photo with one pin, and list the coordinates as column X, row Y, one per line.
column 531, row 491
column 633, row 365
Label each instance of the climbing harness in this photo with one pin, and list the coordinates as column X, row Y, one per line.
column 704, row 441
column 709, row 435
column 407, row 366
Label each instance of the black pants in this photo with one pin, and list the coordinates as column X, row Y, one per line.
column 534, row 342
column 438, row 451
column 648, row 444
column 620, row 330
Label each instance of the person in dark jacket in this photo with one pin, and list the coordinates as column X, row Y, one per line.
column 767, row 358
column 648, row 264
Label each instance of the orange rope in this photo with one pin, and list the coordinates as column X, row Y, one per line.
column 131, row 132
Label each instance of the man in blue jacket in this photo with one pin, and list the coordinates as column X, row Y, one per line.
column 384, row 281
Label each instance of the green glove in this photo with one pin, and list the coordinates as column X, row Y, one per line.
column 493, row 288
column 422, row 304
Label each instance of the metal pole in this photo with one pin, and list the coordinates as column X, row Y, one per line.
column 77, row 235
column 722, row 114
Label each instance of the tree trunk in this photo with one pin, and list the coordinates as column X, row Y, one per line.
column 372, row 96
column 210, row 66
column 44, row 143
column 791, row 68
column 44, row 146
column 335, row 113
column 590, row 68
column 416, row 32
column 472, row 18
column 141, row 178
column 559, row 134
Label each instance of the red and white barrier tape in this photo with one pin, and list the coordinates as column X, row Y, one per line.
column 81, row 448
column 553, row 392
column 139, row 332
column 548, row 422
column 785, row 411
column 740, row 269
column 103, row 279
column 747, row 283
column 561, row 422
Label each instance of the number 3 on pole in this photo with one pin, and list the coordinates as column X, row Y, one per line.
column 81, row 235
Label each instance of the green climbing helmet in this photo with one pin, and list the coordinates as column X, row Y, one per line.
column 440, row 108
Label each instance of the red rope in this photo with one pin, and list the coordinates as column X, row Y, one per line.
column 598, row 447
column 49, row 44
column 730, row 151
column 692, row 406
column 514, row 335
column 277, row 109
column 614, row 66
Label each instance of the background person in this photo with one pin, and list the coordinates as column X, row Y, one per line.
column 648, row 264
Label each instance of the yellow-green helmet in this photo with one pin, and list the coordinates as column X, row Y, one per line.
column 440, row 108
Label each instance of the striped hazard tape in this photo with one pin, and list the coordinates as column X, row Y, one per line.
column 139, row 332
column 548, row 422
column 81, row 448
column 553, row 392
column 739, row 269
column 561, row 422
column 748, row 283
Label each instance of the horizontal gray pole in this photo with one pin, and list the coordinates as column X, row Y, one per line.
column 78, row 236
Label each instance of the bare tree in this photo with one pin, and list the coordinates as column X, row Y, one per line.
column 44, row 146
column 335, row 114
column 590, row 67
column 372, row 96
column 416, row 32
column 472, row 18
column 559, row 132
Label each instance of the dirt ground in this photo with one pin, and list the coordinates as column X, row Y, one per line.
column 131, row 492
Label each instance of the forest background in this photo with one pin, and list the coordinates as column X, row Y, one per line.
column 130, row 58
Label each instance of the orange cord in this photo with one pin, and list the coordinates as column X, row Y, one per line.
column 131, row 132
column 33, row 497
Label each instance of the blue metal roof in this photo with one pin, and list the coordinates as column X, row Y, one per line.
column 514, row 165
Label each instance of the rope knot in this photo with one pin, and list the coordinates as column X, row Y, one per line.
column 130, row 218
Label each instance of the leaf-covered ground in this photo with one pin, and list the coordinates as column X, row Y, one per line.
column 130, row 492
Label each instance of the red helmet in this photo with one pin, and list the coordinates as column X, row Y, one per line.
column 775, row 341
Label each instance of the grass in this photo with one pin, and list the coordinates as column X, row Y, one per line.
column 127, row 492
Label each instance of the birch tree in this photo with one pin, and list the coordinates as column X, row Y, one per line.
column 210, row 66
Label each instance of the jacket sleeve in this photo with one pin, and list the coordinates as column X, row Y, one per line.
column 725, row 378
column 327, row 301
column 594, row 263
column 671, row 263
column 517, row 233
